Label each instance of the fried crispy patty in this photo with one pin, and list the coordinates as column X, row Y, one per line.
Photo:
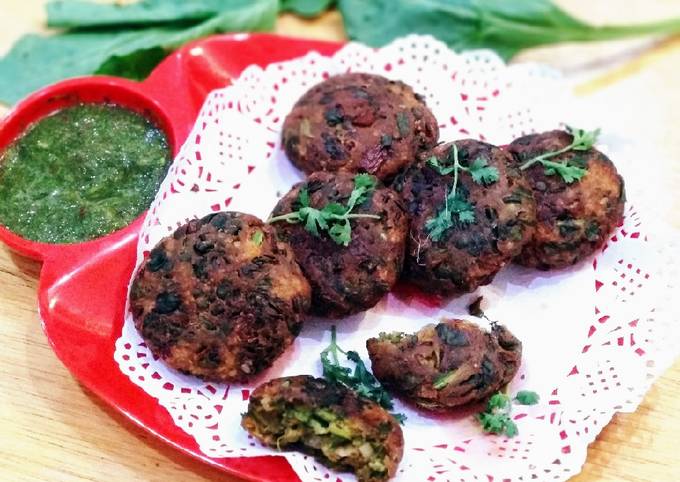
column 328, row 421
column 446, row 365
column 347, row 280
column 221, row 298
column 468, row 254
column 573, row 220
column 359, row 122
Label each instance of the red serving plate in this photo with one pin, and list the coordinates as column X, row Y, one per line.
column 83, row 287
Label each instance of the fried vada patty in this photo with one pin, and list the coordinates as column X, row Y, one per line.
column 500, row 218
column 347, row 279
column 360, row 123
column 221, row 298
column 573, row 219
column 329, row 421
column 446, row 365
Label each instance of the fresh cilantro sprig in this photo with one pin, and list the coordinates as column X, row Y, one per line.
column 361, row 380
column 456, row 208
column 497, row 418
column 582, row 141
column 480, row 170
column 526, row 397
column 334, row 218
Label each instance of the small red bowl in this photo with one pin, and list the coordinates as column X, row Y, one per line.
column 83, row 286
column 99, row 90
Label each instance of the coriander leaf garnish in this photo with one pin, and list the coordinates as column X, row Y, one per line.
column 569, row 173
column 582, row 141
column 363, row 185
column 456, row 209
column 303, row 197
column 341, row 232
column 467, row 215
column 482, row 173
column 496, row 418
column 361, row 380
column 527, row 397
column 442, row 168
column 334, row 217
column 480, row 170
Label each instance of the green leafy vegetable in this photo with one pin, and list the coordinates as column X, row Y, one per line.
column 306, row 8
column 334, row 218
column 361, row 380
column 135, row 36
column 35, row 60
column 363, row 185
column 526, row 397
column 568, row 170
column 443, row 167
column 482, row 173
column 504, row 26
column 457, row 209
column 496, row 418
column 137, row 65
column 86, row 14
column 583, row 139
column 480, row 170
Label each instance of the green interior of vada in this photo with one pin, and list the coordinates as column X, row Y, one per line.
column 339, row 441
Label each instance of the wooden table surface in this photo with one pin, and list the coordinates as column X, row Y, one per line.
column 52, row 429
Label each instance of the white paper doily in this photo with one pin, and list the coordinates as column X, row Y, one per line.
column 595, row 336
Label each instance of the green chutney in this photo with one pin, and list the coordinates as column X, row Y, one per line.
column 81, row 173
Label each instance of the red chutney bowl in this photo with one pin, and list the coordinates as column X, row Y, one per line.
column 83, row 286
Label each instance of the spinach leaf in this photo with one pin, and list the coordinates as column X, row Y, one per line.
column 137, row 65
column 504, row 26
column 306, row 8
column 85, row 14
column 35, row 61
